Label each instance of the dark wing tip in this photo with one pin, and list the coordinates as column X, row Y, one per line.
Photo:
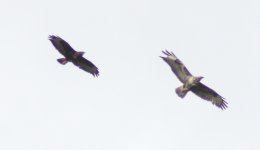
column 96, row 74
column 53, row 37
column 223, row 105
column 162, row 57
column 220, row 102
column 168, row 53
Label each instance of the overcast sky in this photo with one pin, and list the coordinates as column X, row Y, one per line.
column 132, row 104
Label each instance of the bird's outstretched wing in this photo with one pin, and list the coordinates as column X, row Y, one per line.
column 176, row 65
column 86, row 65
column 62, row 46
column 208, row 94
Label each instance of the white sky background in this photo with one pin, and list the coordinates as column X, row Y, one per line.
column 132, row 104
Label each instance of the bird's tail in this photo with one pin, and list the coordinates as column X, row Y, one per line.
column 62, row 61
column 181, row 91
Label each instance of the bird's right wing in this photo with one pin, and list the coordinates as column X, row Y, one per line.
column 177, row 66
column 208, row 94
column 86, row 65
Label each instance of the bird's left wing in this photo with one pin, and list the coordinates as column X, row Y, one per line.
column 86, row 65
column 62, row 46
column 177, row 67
column 208, row 94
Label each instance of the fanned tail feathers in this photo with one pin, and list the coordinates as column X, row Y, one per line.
column 181, row 92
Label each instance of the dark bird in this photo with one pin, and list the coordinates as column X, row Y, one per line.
column 192, row 83
column 72, row 56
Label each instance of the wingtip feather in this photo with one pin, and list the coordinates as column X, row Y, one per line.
column 168, row 53
column 223, row 104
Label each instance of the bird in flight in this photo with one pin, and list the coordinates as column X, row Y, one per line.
column 73, row 56
column 192, row 83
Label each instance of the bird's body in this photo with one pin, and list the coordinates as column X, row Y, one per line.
column 187, row 85
column 192, row 83
column 72, row 56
